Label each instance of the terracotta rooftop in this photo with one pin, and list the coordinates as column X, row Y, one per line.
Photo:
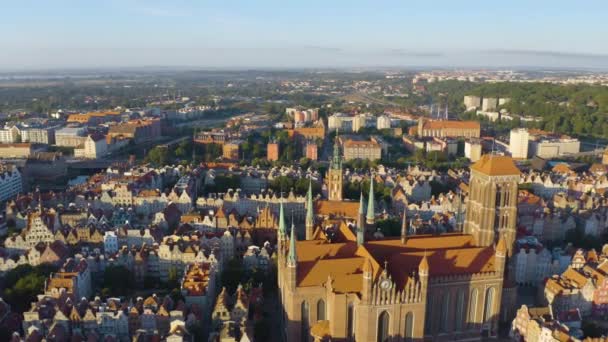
column 360, row 143
column 443, row 124
column 447, row 254
column 495, row 165
column 337, row 208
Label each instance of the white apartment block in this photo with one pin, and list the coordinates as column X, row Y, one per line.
column 38, row 135
column 550, row 148
column 518, row 143
column 9, row 135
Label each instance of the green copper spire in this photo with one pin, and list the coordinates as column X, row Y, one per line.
column 292, row 258
column 361, row 204
column 309, row 206
column 282, row 228
column 371, row 210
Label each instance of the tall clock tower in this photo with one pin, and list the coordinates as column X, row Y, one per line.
column 334, row 174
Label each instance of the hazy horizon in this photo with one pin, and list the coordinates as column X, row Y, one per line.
column 268, row 34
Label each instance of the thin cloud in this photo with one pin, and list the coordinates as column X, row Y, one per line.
column 409, row 53
column 546, row 53
column 324, row 48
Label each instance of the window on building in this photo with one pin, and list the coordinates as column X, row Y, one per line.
column 409, row 326
column 427, row 318
column 304, row 320
column 383, row 322
column 350, row 321
column 445, row 314
column 459, row 311
column 321, row 310
column 489, row 301
column 473, row 308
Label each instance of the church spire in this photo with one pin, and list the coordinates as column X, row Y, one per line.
column 404, row 227
column 371, row 210
column 361, row 214
column 292, row 258
column 310, row 216
column 282, row 228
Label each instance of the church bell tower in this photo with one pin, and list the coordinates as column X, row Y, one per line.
column 334, row 174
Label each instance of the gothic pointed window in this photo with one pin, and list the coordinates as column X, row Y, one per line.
column 409, row 326
column 350, row 321
column 445, row 313
column 488, row 306
column 304, row 321
column 473, row 308
column 321, row 310
column 383, row 322
column 459, row 316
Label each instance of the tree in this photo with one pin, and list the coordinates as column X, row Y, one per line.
column 118, row 280
column 23, row 283
column 158, row 156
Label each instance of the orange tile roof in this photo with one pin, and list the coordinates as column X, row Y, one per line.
column 337, row 208
column 443, row 124
column 495, row 165
column 346, row 273
column 360, row 143
column 447, row 254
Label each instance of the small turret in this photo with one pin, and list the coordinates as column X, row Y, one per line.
column 500, row 254
column 423, row 275
column 423, row 267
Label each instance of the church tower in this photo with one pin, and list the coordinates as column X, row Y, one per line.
column 334, row 174
column 492, row 204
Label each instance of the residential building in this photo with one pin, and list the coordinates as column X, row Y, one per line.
column 198, row 285
column 489, row 104
column 11, row 183
column 472, row 149
column 70, row 136
column 230, row 150
column 40, row 135
column 383, row 122
column 448, row 128
column 550, row 147
column 311, row 151
column 361, row 149
column 518, row 143
column 94, row 146
column 15, row 150
column 9, row 135
column 472, row 102
column 272, row 151
column 583, row 285
column 137, row 130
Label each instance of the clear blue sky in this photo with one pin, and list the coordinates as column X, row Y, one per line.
column 312, row 33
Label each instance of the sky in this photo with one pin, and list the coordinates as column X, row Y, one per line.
column 73, row 34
